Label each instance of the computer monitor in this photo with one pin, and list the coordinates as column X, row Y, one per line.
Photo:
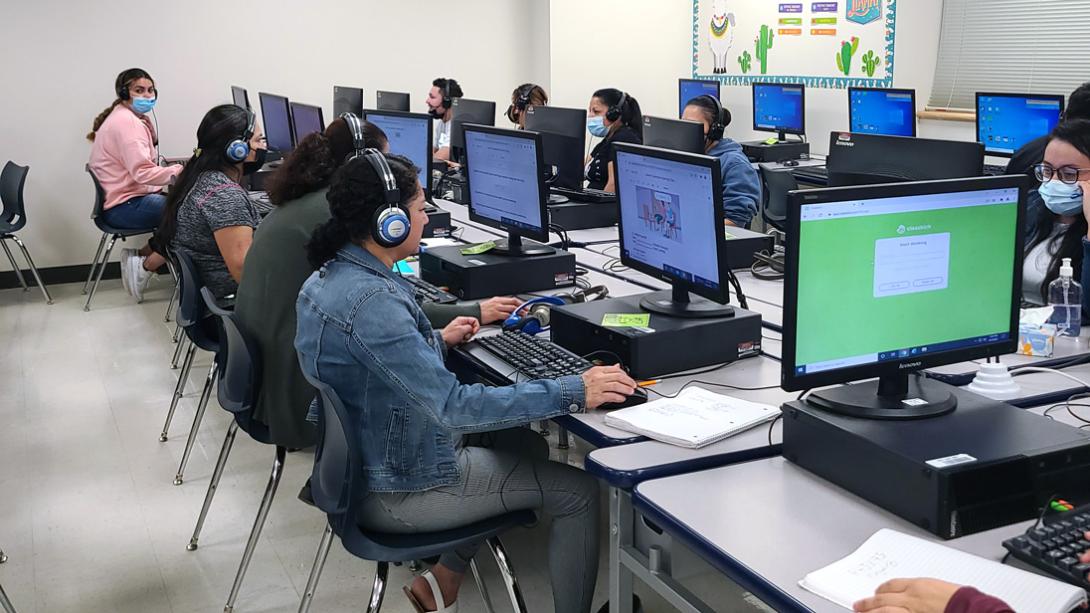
column 674, row 134
column 563, row 139
column 239, row 97
column 479, row 112
column 392, row 101
column 864, row 159
column 306, row 119
column 779, row 108
column 1005, row 122
column 410, row 135
column 506, row 183
column 687, row 89
column 276, row 117
column 347, row 100
column 884, row 280
column 671, row 227
column 874, row 110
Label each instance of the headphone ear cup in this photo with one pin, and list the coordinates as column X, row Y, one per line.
column 237, row 150
column 390, row 226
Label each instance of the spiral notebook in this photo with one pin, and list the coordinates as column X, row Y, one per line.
column 889, row 554
column 695, row 418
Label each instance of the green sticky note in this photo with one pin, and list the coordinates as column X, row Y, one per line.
column 479, row 249
column 626, row 320
column 772, row 140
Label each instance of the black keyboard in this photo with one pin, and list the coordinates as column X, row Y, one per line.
column 596, row 196
column 1055, row 545
column 533, row 357
column 426, row 292
column 994, row 170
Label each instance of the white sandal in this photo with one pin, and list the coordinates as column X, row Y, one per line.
column 436, row 592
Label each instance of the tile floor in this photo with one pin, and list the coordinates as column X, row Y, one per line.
column 88, row 512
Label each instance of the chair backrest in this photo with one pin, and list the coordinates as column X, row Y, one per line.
column 337, row 478
column 12, row 182
column 100, row 194
column 776, row 185
column 192, row 313
column 240, row 368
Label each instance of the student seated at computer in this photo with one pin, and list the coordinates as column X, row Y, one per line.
column 1056, row 225
column 125, row 161
column 361, row 332
column 208, row 213
column 741, row 185
column 440, row 100
column 525, row 96
column 1031, row 154
column 929, row 596
column 276, row 266
column 615, row 117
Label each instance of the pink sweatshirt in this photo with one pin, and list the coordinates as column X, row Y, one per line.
column 123, row 157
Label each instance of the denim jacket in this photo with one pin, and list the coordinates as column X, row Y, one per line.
column 360, row 331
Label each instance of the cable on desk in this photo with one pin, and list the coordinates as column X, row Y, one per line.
column 772, row 426
column 737, row 289
column 1027, row 369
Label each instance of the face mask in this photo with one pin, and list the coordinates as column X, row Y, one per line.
column 249, row 168
column 597, row 126
column 1061, row 198
column 143, row 105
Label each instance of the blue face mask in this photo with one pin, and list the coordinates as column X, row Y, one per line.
column 597, row 126
column 1061, row 198
column 143, row 105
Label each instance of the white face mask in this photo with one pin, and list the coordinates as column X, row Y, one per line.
column 1061, row 198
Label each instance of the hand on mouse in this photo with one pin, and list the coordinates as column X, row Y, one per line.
column 607, row 384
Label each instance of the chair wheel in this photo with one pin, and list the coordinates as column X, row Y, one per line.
column 177, row 480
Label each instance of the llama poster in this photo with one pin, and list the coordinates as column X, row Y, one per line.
column 835, row 44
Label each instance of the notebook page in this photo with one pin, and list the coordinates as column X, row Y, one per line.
column 695, row 416
column 892, row 555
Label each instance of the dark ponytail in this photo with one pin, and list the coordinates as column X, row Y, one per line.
column 122, row 83
column 311, row 165
column 631, row 115
column 1075, row 132
column 355, row 193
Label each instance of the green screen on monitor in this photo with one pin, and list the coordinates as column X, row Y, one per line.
column 893, row 278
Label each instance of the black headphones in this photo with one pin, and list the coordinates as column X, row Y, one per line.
column 721, row 120
column 614, row 113
column 390, row 224
column 447, row 100
column 121, row 84
column 237, row 150
column 522, row 100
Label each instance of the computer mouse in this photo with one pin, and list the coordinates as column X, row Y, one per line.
column 791, row 163
column 639, row 397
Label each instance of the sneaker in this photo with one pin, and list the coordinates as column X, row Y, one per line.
column 127, row 255
column 139, row 278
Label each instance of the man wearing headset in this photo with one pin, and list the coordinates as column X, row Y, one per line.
column 440, row 99
column 741, row 185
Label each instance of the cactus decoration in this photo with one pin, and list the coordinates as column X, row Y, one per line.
column 844, row 57
column 746, row 62
column 763, row 44
column 870, row 63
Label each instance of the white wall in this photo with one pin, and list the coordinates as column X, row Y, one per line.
column 61, row 58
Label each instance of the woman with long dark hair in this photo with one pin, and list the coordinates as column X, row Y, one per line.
column 208, row 213
column 615, row 117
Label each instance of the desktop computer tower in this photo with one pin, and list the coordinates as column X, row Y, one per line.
column 985, row 465
column 438, row 223
column 485, row 275
column 760, row 151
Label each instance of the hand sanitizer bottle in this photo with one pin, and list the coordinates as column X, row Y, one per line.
column 1065, row 298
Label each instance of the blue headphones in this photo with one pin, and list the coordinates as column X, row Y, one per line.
column 238, row 149
column 391, row 224
column 537, row 315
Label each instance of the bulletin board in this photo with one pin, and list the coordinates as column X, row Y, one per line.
column 834, row 44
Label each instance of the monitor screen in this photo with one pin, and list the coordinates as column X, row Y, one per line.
column 306, row 120
column 687, row 89
column 891, row 112
column 671, row 220
column 392, row 101
column 1005, row 122
column 506, row 185
column 893, row 276
column 779, row 108
column 410, row 136
column 277, row 121
column 347, row 100
column 239, row 97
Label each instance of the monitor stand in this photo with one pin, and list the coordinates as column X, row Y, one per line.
column 514, row 246
column 677, row 302
column 896, row 396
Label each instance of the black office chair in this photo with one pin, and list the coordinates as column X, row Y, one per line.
column 239, row 381
column 337, row 485
column 13, row 219
column 777, row 183
column 203, row 332
column 5, row 602
column 110, row 233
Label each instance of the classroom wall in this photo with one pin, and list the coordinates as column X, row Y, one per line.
column 61, row 58
column 644, row 46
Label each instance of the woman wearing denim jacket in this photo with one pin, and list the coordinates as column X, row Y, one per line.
column 360, row 331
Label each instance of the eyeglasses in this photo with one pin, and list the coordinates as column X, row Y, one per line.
column 1067, row 174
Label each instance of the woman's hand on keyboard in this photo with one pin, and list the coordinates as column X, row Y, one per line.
column 607, row 384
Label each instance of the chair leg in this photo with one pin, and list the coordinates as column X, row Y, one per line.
column 259, row 523
column 179, row 390
column 562, row 438
column 316, row 570
column 14, row 264
column 481, row 586
column 378, row 589
column 209, row 385
column 5, row 603
column 94, row 263
column 179, row 349
column 101, row 269
column 3, row 556
column 173, row 299
column 33, row 269
column 225, row 451
column 177, row 333
column 508, row 574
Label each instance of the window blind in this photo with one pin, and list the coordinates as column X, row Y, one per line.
column 1016, row 46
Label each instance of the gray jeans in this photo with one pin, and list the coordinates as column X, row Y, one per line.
column 501, row 472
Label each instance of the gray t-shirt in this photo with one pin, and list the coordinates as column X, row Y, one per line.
column 214, row 203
